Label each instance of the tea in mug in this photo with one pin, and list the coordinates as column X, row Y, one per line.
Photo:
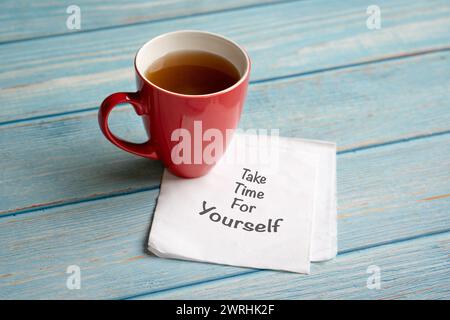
column 192, row 72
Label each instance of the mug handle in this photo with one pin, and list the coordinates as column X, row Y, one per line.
column 146, row 149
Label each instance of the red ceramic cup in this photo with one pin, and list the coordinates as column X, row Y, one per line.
column 163, row 111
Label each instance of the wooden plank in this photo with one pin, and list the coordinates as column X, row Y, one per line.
column 382, row 196
column 417, row 269
column 66, row 74
column 30, row 19
column 67, row 159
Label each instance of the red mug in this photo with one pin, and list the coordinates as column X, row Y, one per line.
column 163, row 111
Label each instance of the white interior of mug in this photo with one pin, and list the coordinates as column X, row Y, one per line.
column 192, row 40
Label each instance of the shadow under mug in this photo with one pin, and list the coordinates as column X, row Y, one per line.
column 164, row 112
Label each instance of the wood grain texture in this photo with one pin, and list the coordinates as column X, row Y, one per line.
column 107, row 237
column 21, row 19
column 67, row 159
column 318, row 72
column 408, row 270
column 76, row 72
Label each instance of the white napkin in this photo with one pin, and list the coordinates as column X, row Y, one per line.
column 269, row 203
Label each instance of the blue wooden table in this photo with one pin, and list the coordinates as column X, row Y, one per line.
column 69, row 198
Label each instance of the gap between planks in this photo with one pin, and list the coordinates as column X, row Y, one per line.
column 245, row 273
column 36, row 208
column 139, row 240
column 147, row 22
column 265, row 80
